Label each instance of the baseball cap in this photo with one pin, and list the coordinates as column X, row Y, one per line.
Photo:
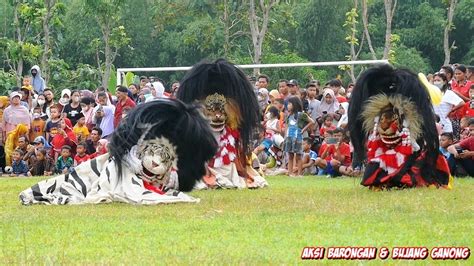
column 38, row 140
column 292, row 82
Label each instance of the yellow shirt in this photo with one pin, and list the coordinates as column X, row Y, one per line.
column 81, row 132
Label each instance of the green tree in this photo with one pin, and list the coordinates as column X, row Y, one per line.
column 114, row 36
column 20, row 48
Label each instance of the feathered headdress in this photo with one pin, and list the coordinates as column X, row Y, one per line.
column 181, row 124
column 401, row 89
column 224, row 78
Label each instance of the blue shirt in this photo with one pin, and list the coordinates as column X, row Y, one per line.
column 313, row 155
column 19, row 167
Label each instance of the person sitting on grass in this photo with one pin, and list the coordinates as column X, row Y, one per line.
column 65, row 163
column 43, row 165
column 272, row 127
column 23, row 144
column 445, row 140
column 81, row 155
column 101, row 148
column 309, row 157
column 335, row 155
column 464, row 151
column 19, row 167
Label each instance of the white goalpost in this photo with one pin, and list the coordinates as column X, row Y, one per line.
column 121, row 71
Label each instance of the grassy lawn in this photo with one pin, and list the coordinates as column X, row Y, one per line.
column 266, row 226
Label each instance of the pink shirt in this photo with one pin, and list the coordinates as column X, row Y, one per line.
column 14, row 115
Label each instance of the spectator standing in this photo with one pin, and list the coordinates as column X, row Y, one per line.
column 122, row 101
column 37, row 124
column 313, row 105
column 297, row 123
column 15, row 114
column 450, row 102
column 104, row 115
column 49, row 97
column 73, row 109
column 38, row 83
column 283, row 88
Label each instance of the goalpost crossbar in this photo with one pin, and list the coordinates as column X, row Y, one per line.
column 120, row 71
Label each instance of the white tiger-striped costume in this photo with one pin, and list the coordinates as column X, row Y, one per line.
column 95, row 181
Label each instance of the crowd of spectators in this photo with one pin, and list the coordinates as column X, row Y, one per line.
column 303, row 127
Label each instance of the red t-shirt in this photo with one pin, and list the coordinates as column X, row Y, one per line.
column 468, row 112
column 324, row 129
column 119, row 108
column 82, row 159
column 341, row 99
column 462, row 88
column 467, row 144
column 344, row 150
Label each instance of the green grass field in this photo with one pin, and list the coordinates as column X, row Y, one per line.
column 266, row 226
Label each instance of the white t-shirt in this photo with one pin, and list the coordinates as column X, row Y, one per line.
column 449, row 100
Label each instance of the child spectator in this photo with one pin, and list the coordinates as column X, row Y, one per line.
column 272, row 127
column 80, row 129
column 53, row 124
column 309, row 157
column 26, row 82
column 65, row 163
column 446, row 139
column 37, row 124
column 327, row 124
column 65, row 136
column 43, row 165
column 38, row 143
column 81, row 155
column 335, row 155
column 297, row 123
column 19, row 167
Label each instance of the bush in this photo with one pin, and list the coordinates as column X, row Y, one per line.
column 7, row 81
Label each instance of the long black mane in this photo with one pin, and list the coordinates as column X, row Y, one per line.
column 222, row 77
column 386, row 79
column 181, row 124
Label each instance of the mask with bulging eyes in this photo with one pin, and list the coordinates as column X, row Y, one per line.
column 158, row 157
